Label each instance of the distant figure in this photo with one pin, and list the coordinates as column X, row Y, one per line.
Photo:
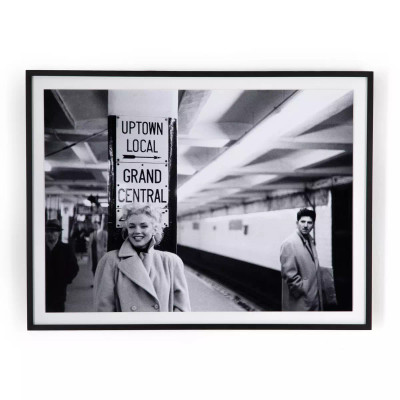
column 61, row 267
column 78, row 235
column 137, row 277
column 97, row 245
column 301, row 278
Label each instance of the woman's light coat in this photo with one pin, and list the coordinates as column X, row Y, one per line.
column 153, row 281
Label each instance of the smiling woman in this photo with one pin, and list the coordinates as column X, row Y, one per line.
column 137, row 277
column 142, row 224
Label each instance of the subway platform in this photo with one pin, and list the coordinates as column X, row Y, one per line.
column 206, row 294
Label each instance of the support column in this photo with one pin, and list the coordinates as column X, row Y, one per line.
column 143, row 104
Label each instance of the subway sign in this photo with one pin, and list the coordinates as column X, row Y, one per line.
column 142, row 157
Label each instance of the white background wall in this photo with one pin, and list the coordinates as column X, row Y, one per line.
column 266, row 232
column 251, row 35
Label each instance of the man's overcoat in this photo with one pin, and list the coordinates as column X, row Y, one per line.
column 61, row 269
column 153, row 281
column 301, row 279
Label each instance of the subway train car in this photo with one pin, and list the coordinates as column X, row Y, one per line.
column 242, row 250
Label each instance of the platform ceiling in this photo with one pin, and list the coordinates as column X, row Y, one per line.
column 233, row 146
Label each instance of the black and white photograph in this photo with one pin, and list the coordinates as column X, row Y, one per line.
column 171, row 201
column 200, row 200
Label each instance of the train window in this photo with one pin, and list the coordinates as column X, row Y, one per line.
column 196, row 226
column 245, row 229
column 235, row 225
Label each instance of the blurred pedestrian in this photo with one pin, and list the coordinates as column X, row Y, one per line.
column 61, row 267
column 79, row 237
column 97, row 245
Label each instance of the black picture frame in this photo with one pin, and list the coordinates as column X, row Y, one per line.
column 33, row 172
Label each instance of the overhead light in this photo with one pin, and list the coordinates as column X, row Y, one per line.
column 47, row 166
column 184, row 142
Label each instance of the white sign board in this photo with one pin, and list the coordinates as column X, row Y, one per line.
column 142, row 149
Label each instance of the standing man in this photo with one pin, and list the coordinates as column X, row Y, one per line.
column 61, row 267
column 301, row 279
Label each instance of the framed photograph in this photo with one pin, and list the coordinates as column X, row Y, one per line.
column 199, row 200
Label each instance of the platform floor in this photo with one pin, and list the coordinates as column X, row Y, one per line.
column 205, row 293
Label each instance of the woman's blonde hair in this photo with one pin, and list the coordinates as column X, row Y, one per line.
column 145, row 209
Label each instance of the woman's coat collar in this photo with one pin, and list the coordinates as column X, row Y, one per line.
column 127, row 250
column 132, row 266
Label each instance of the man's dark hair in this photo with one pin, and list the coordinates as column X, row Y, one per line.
column 305, row 212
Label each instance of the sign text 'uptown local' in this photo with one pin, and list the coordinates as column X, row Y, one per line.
column 142, row 153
